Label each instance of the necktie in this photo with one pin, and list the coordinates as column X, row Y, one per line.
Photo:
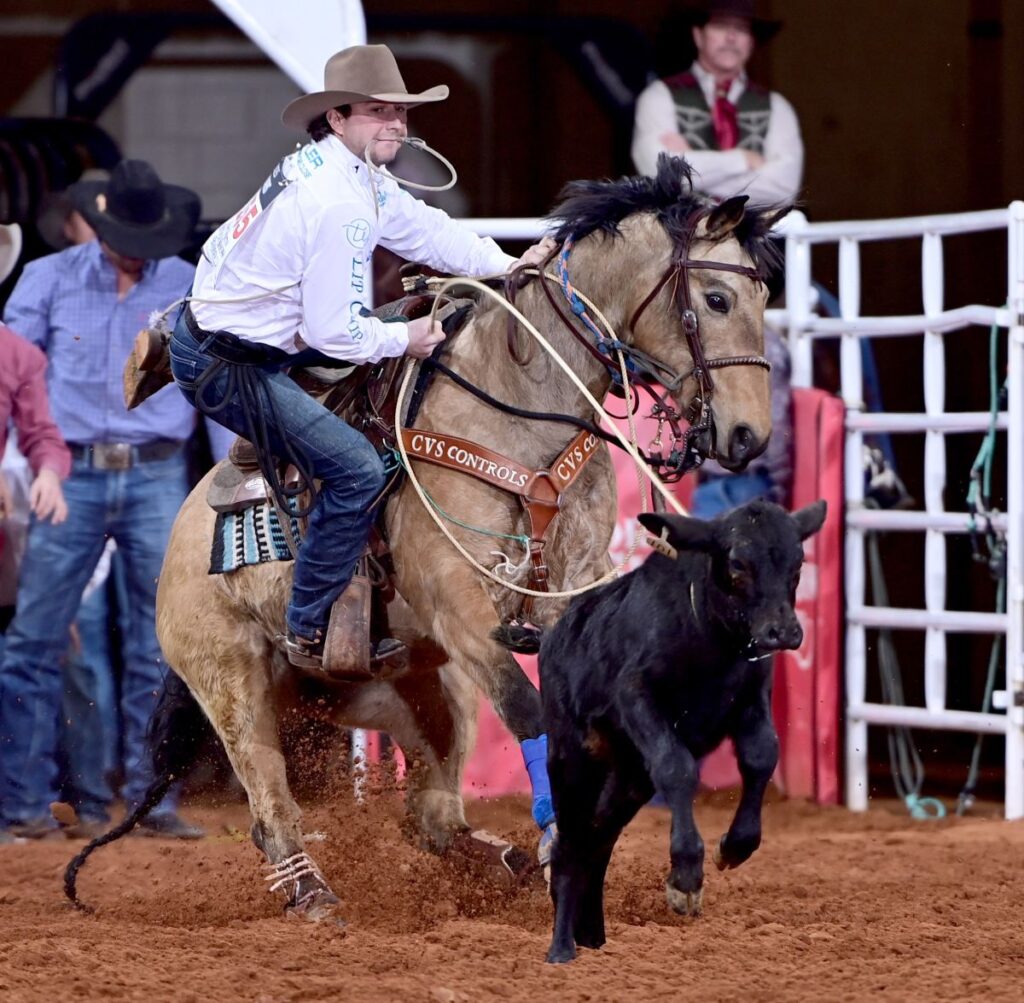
column 723, row 117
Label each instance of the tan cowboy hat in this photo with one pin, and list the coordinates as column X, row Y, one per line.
column 359, row 73
column 10, row 248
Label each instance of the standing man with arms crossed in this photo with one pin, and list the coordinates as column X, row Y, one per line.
column 291, row 270
column 739, row 137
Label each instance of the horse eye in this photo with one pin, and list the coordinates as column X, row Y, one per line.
column 717, row 302
column 737, row 570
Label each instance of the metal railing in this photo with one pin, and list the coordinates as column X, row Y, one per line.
column 935, row 423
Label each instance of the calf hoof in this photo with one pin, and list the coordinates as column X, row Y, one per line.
column 728, row 854
column 559, row 955
column 320, row 905
column 594, row 939
column 685, row 903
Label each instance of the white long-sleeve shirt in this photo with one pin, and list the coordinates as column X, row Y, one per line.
column 723, row 173
column 303, row 267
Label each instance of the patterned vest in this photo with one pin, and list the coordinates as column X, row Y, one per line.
column 694, row 116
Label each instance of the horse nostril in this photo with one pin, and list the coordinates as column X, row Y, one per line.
column 740, row 443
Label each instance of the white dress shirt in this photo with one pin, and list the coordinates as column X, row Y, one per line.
column 723, row 173
column 303, row 267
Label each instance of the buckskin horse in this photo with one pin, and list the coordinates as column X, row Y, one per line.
column 680, row 279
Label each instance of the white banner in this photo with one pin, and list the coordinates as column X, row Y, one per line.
column 302, row 35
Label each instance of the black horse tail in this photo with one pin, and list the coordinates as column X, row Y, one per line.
column 174, row 738
column 517, row 637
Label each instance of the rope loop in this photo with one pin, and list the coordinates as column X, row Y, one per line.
column 442, row 286
column 925, row 809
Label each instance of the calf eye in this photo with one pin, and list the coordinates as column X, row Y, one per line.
column 717, row 302
column 738, row 571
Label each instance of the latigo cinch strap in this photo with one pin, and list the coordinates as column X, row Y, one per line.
column 540, row 491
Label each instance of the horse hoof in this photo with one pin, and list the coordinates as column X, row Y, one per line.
column 504, row 861
column 546, row 844
column 685, row 903
column 545, row 847
column 318, row 906
column 716, row 855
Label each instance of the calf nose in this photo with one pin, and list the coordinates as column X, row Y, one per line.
column 780, row 637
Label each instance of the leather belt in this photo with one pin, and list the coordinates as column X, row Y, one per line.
column 238, row 351
column 123, row 455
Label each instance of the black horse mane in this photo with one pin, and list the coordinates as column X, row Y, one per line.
column 586, row 207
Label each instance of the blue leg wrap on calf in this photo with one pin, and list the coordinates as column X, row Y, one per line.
column 535, row 756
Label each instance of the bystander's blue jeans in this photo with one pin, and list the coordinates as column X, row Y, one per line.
column 716, row 495
column 89, row 727
column 137, row 507
column 350, row 472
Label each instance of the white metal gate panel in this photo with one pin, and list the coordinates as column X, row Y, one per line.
column 933, row 323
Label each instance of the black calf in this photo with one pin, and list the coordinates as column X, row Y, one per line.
column 644, row 676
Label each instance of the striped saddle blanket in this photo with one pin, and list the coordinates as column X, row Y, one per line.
column 251, row 536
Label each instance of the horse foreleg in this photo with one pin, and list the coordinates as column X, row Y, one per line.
column 465, row 634
column 431, row 713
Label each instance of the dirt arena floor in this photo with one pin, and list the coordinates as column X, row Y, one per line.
column 833, row 907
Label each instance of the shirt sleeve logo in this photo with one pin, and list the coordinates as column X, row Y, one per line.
column 358, row 232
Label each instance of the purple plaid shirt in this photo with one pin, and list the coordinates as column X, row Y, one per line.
column 67, row 304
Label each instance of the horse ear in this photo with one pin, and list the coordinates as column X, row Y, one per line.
column 725, row 217
column 810, row 518
column 772, row 217
column 684, row 532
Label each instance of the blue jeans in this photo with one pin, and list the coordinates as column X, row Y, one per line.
column 89, row 732
column 137, row 507
column 716, row 495
column 350, row 471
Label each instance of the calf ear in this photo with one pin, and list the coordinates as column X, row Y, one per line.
column 724, row 218
column 809, row 520
column 684, row 532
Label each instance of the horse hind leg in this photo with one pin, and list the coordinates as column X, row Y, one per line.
column 243, row 714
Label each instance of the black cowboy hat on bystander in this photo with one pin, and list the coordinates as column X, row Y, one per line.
column 761, row 28
column 136, row 214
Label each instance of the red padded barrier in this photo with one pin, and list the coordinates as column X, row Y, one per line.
column 808, row 681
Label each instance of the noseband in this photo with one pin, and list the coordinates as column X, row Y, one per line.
column 648, row 370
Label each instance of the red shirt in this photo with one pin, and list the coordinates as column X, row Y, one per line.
column 23, row 399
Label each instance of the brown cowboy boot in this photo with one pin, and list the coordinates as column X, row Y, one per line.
column 345, row 651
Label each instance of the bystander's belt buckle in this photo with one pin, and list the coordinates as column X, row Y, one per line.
column 111, row 455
